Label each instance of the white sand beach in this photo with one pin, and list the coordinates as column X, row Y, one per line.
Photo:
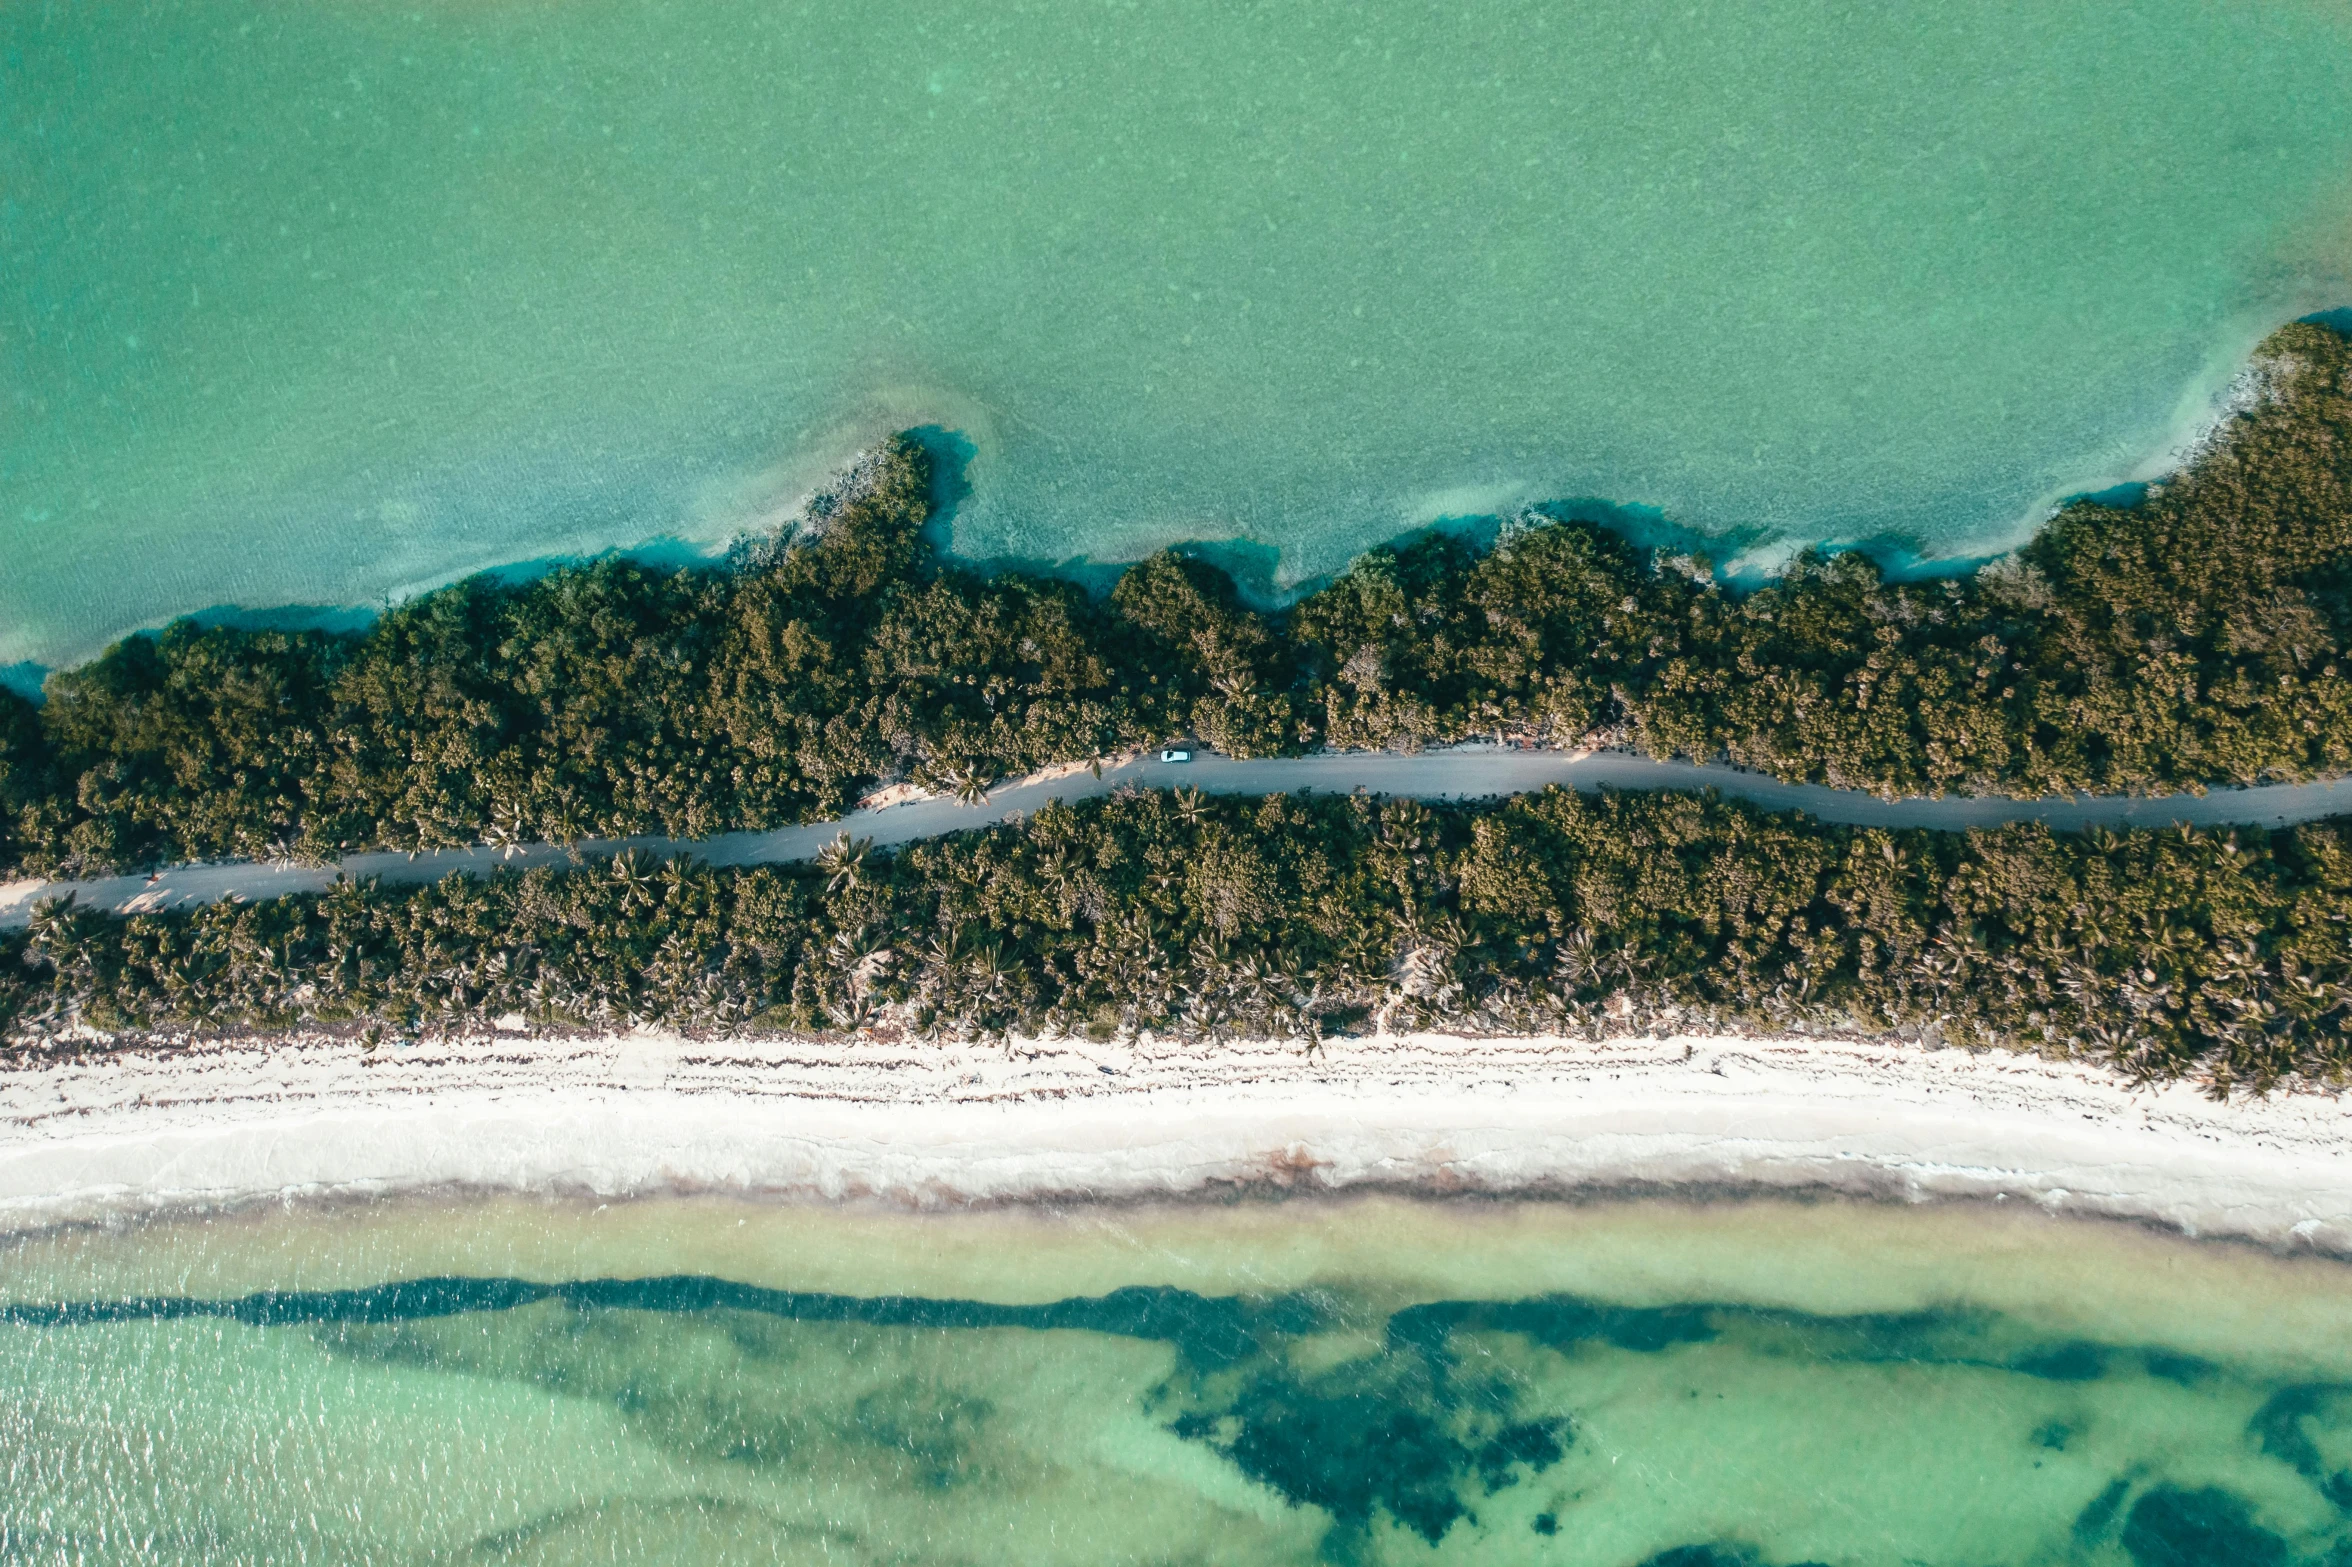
column 119, row 1134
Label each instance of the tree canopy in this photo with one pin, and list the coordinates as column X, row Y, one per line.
column 2215, row 956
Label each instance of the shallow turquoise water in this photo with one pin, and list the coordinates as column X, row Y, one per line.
column 308, row 304
column 1610, row 1384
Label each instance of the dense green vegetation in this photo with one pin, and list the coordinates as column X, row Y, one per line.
column 2201, row 636
column 2214, row 955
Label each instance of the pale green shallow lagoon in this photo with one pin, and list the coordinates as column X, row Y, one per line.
column 1370, row 1380
column 313, row 303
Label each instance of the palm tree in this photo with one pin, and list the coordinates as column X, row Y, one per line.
column 968, row 783
column 508, row 831
column 1057, row 870
column 56, row 931
column 944, row 949
column 634, row 872
column 843, row 861
column 677, row 880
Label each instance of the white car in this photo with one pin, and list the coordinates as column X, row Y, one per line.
column 1175, row 756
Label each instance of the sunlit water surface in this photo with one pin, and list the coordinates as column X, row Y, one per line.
column 1384, row 1380
column 306, row 304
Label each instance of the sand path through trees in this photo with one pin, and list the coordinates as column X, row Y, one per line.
column 1453, row 773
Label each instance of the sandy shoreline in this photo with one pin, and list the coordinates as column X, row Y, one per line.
column 134, row 1133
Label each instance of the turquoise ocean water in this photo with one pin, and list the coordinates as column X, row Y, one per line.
column 308, row 304
column 1378, row 1381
